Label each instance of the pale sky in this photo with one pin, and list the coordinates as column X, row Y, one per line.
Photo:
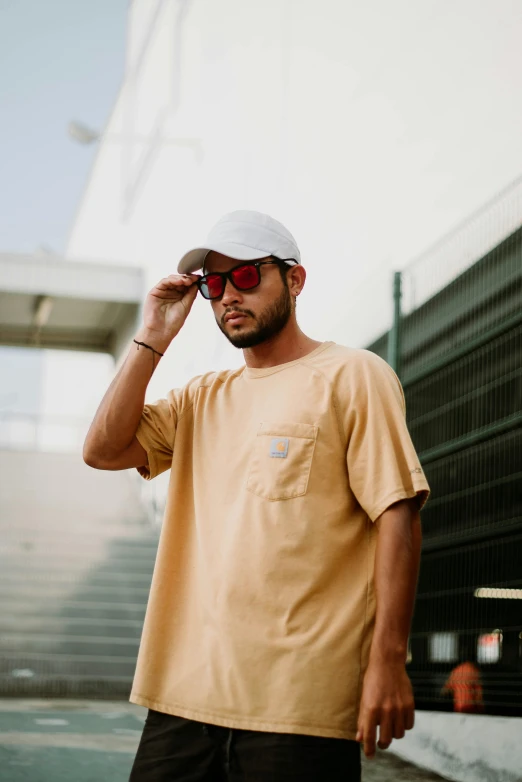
column 59, row 60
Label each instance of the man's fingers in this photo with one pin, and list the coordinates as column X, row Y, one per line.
column 369, row 729
column 398, row 725
column 385, row 730
column 179, row 280
column 176, row 284
column 391, row 725
column 369, row 744
column 189, row 297
column 185, row 279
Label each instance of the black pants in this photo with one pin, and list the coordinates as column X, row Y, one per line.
column 173, row 749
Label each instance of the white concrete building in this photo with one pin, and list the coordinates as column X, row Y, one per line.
column 338, row 119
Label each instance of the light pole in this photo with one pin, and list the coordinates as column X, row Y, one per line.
column 85, row 135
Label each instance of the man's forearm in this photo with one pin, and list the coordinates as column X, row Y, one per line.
column 396, row 572
column 387, row 696
column 120, row 410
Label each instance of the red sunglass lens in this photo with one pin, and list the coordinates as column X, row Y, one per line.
column 214, row 285
column 245, row 277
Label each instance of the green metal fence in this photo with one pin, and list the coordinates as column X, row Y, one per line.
column 459, row 356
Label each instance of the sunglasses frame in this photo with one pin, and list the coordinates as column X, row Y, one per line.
column 228, row 275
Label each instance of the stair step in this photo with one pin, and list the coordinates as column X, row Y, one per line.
column 79, row 645
column 95, row 576
column 77, row 555
column 54, row 545
column 82, row 592
column 118, row 537
column 66, row 686
column 93, row 626
column 71, row 560
column 38, row 664
column 82, row 609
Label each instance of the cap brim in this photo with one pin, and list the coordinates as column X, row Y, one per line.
column 194, row 259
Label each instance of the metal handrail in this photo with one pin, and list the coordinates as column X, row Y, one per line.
column 462, row 246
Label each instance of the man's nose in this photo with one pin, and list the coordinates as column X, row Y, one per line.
column 231, row 295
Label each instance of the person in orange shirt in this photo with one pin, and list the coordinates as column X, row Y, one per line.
column 465, row 685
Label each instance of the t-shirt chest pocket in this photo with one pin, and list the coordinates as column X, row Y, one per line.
column 281, row 460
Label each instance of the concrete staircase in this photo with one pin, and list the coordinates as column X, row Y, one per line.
column 76, row 561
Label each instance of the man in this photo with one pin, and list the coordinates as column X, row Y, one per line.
column 276, row 630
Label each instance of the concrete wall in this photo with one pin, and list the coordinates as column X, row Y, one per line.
column 464, row 747
column 38, row 489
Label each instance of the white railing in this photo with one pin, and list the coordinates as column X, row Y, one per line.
column 463, row 246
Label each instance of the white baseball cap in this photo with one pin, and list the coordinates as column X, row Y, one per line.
column 244, row 235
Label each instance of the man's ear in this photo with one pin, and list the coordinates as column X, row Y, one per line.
column 296, row 279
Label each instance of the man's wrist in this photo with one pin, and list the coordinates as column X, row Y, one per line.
column 388, row 653
column 156, row 340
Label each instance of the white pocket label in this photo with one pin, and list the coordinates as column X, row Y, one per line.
column 279, row 447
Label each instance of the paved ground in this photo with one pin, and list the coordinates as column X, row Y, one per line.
column 387, row 767
column 94, row 741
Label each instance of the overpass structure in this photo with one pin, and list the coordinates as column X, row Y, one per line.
column 51, row 302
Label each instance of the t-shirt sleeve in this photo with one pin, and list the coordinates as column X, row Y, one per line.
column 156, row 433
column 383, row 466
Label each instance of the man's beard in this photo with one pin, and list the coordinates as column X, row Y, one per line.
column 270, row 322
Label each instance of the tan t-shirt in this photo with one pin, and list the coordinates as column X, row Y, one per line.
column 262, row 604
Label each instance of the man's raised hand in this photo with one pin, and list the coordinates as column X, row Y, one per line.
column 166, row 308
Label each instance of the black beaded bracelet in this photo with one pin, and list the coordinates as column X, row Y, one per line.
column 147, row 346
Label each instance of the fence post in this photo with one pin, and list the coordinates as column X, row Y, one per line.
column 394, row 335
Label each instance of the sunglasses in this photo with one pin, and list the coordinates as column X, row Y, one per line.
column 244, row 277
